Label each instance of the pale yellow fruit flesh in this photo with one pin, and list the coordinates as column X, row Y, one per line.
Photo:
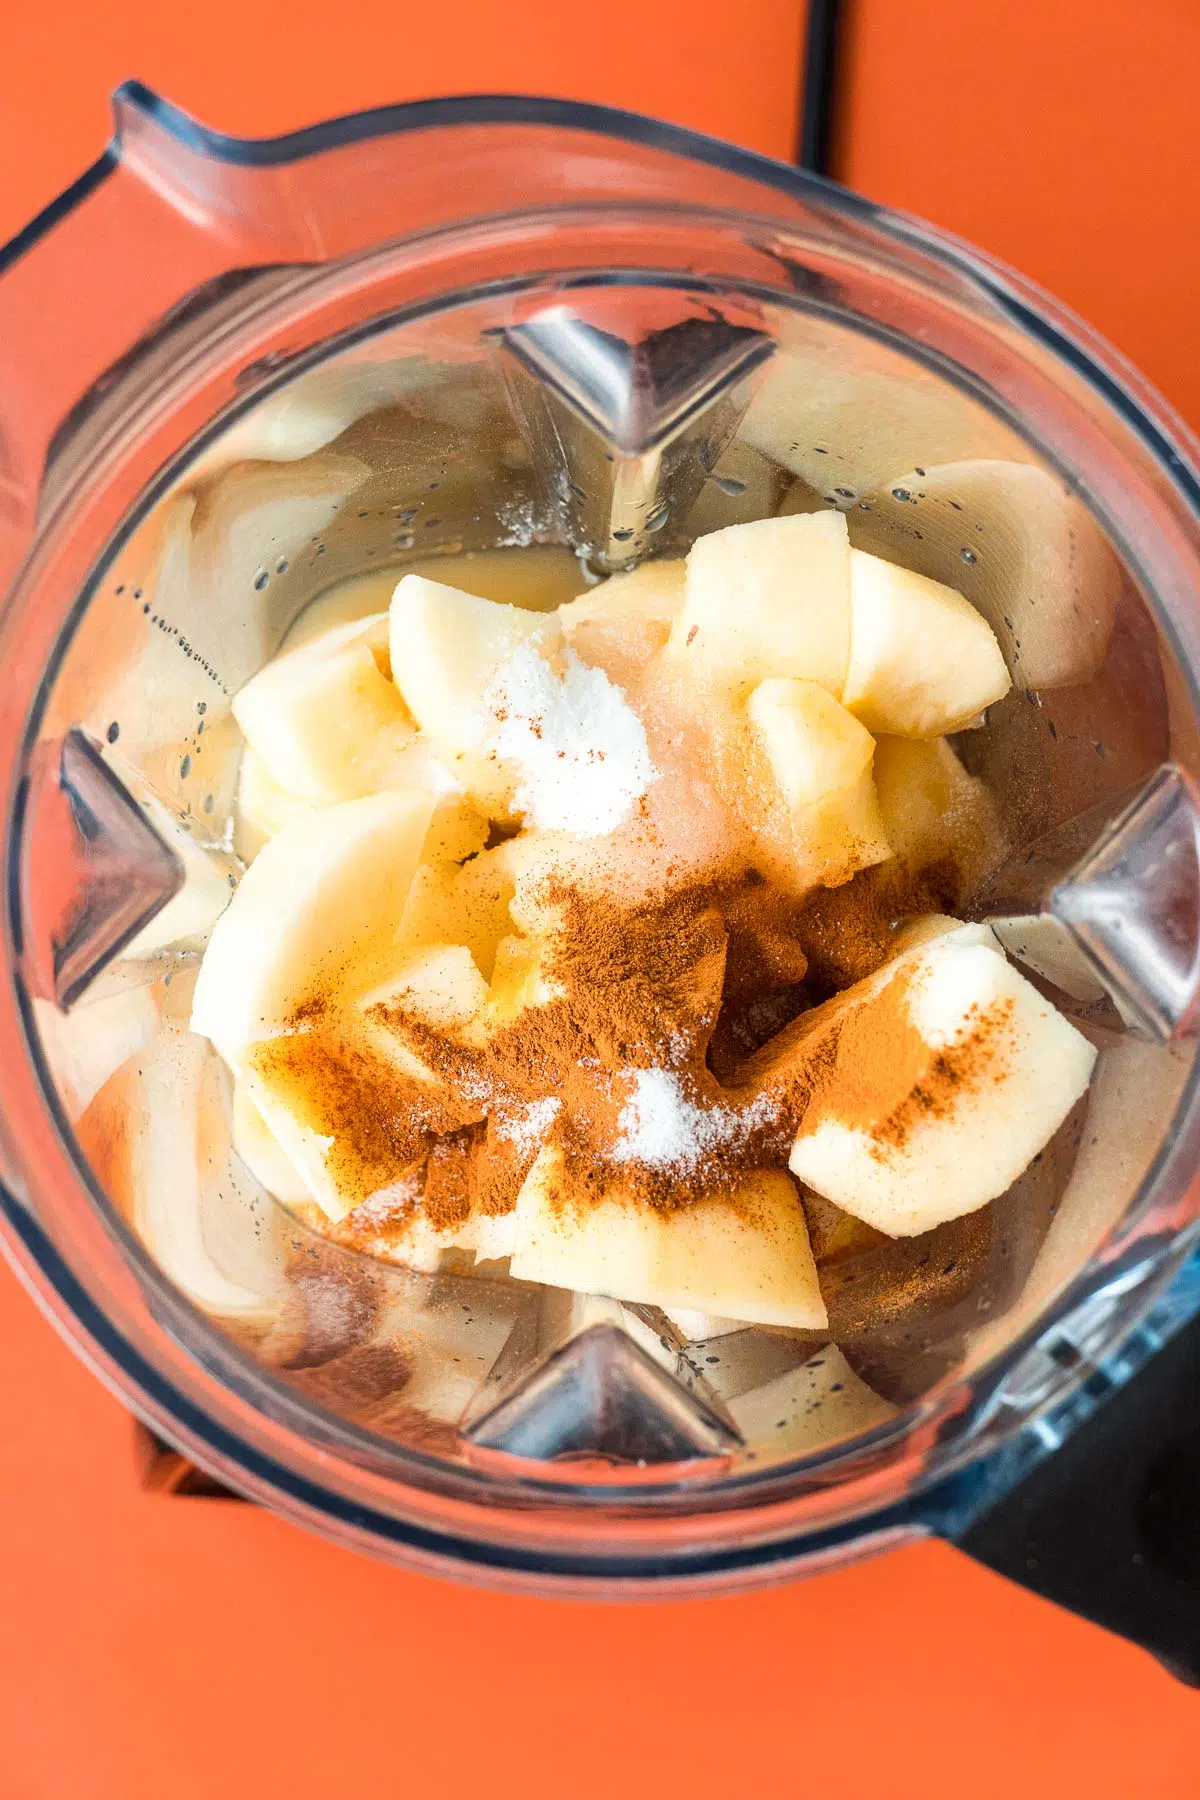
column 820, row 758
column 320, row 901
column 1023, row 1067
column 325, row 721
column 770, row 598
column 446, row 647
column 746, row 1256
column 922, row 660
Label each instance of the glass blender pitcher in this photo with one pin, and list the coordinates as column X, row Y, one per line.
column 237, row 374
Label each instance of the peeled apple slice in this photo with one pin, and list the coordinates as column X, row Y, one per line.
column 820, row 757
column 769, row 598
column 627, row 616
column 338, row 1103
column 814, row 745
column 321, row 898
column 156, row 1137
column 922, row 660
column 933, row 810
column 458, row 829
column 467, row 905
column 821, row 1402
column 258, row 1147
column 924, row 930
column 446, row 646
column 256, row 520
column 746, row 1256
column 86, row 1046
column 262, row 809
column 969, row 1072
column 441, row 985
column 1036, row 564
column 698, row 1327
column 324, row 720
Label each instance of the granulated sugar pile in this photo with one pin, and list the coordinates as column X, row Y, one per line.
column 661, row 1128
column 578, row 746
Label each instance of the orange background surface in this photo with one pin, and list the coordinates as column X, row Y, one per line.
column 164, row 1646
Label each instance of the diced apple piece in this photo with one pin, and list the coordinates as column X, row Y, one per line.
column 324, row 720
column 769, row 598
column 446, row 648
column 342, row 1104
column 441, row 985
column 259, row 1149
column 490, row 1236
column 924, row 930
column 322, row 898
column 933, row 811
column 820, row 758
column 468, row 905
column 745, row 1255
column 262, row 809
column 821, row 1402
column 1025, row 551
column 519, row 980
column 86, row 1046
column 250, row 521
column 950, row 1078
column 458, row 828
column 155, row 1136
column 698, row 1327
column 627, row 616
column 922, row 660
column 816, row 748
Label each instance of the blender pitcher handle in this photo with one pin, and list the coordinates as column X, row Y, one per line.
column 1109, row 1525
column 159, row 215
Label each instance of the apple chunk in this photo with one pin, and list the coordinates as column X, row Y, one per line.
column 1024, row 551
column 628, row 616
column 769, row 598
column 344, row 1111
column 446, row 648
column 263, row 807
column 258, row 1147
column 322, row 898
column 933, row 811
column 922, row 660
column 943, row 1084
column 745, row 1255
column 820, row 759
column 324, row 720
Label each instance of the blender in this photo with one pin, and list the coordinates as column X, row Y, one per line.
column 237, row 373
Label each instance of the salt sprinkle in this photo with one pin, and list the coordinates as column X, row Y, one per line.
column 660, row 1127
column 528, row 1127
column 577, row 745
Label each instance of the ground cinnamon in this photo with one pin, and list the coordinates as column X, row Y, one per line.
column 643, row 1063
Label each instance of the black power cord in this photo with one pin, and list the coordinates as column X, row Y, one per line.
column 816, row 147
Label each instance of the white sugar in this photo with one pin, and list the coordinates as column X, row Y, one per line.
column 661, row 1127
column 528, row 1127
column 578, row 747
column 387, row 1204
